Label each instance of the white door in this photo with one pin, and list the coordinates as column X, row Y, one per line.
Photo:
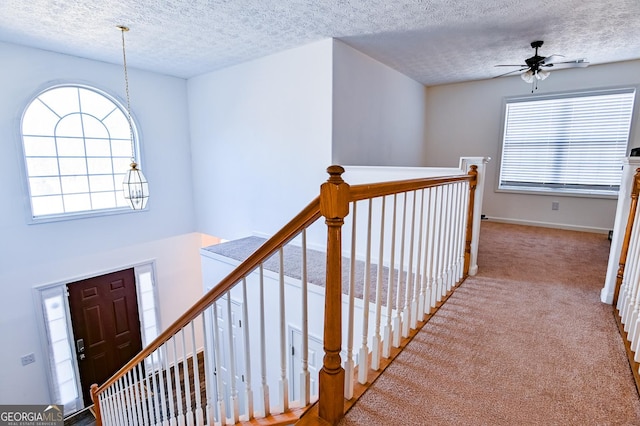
column 314, row 358
column 236, row 351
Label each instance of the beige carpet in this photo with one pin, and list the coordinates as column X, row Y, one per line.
column 525, row 342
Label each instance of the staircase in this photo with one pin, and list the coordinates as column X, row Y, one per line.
column 274, row 343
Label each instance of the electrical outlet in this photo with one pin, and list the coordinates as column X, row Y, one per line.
column 28, row 359
column 555, row 205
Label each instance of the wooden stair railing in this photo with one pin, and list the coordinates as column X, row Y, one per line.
column 335, row 197
column 306, row 217
column 626, row 296
column 431, row 233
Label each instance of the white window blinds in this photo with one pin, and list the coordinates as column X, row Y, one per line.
column 571, row 143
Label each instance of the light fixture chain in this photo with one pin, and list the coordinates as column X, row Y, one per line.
column 126, row 85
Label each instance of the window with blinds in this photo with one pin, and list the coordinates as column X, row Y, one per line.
column 569, row 143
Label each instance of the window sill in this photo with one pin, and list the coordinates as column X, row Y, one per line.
column 558, row 193
column 82, row 215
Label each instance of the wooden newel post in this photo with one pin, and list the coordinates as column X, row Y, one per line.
column 334, row 206
column 627, row 235
column 473, row 172
column 96, row 404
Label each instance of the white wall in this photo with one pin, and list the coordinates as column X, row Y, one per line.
column 466, row 119
column 47, row 253
column 378, row 113
column 261, row 140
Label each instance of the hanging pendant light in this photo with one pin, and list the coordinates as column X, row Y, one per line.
column 134, row 185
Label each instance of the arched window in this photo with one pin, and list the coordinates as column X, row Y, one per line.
column 77, row 149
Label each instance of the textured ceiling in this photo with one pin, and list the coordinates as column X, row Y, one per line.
column 432, row 41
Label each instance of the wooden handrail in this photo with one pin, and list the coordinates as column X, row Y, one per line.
column 627, row 235
column 366, row 191
column 306, row 217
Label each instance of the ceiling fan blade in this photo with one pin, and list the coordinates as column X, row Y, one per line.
column 552, row 59
column 511, row 72
column 577, row 63
column 512, row 65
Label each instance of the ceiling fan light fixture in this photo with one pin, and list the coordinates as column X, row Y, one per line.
column 527, row 76
column 542, row 74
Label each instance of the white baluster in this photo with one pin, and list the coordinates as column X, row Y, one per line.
column 153, row 387
column 349, row 367
column 115, row 409
column 463, row 225
column 121, row 403
column 424, row 278
column 632, row 270
column 284, row 382
column 460, row 238
column 197, row 386
column 397, row 321
column 407, row 318
column 129, row 398
column 455, row 234
column 453, row 255
column 634, row 330
column 429, row 263
column 376, row 341
column 465, row 219
column 418, row 294
column 163, row 378
column 459, row 233
column 141, row 400
column 264, row 388
column 439, row 244
column 626, row 288
column 176, row 378
column 209, row 410
column 169, row 383
column 363, row 358
column 386, row 347
column 233, row 395
column 624, row 299
column 630, row 277
column 222, row 414
column 414, row 269
column 186, row 379
column 105, row 410
column 404, row 322
column 151, row 391
column 105, row 407
column 305, row 376
column 248, row 392
column 447, row 239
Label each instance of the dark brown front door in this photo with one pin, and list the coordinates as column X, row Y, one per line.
column 106, row 326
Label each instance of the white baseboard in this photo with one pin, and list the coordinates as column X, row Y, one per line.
column 549, row 225
column 473, row 270
column 606, row 296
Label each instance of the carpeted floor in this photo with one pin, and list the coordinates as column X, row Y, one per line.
column 525, row 342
